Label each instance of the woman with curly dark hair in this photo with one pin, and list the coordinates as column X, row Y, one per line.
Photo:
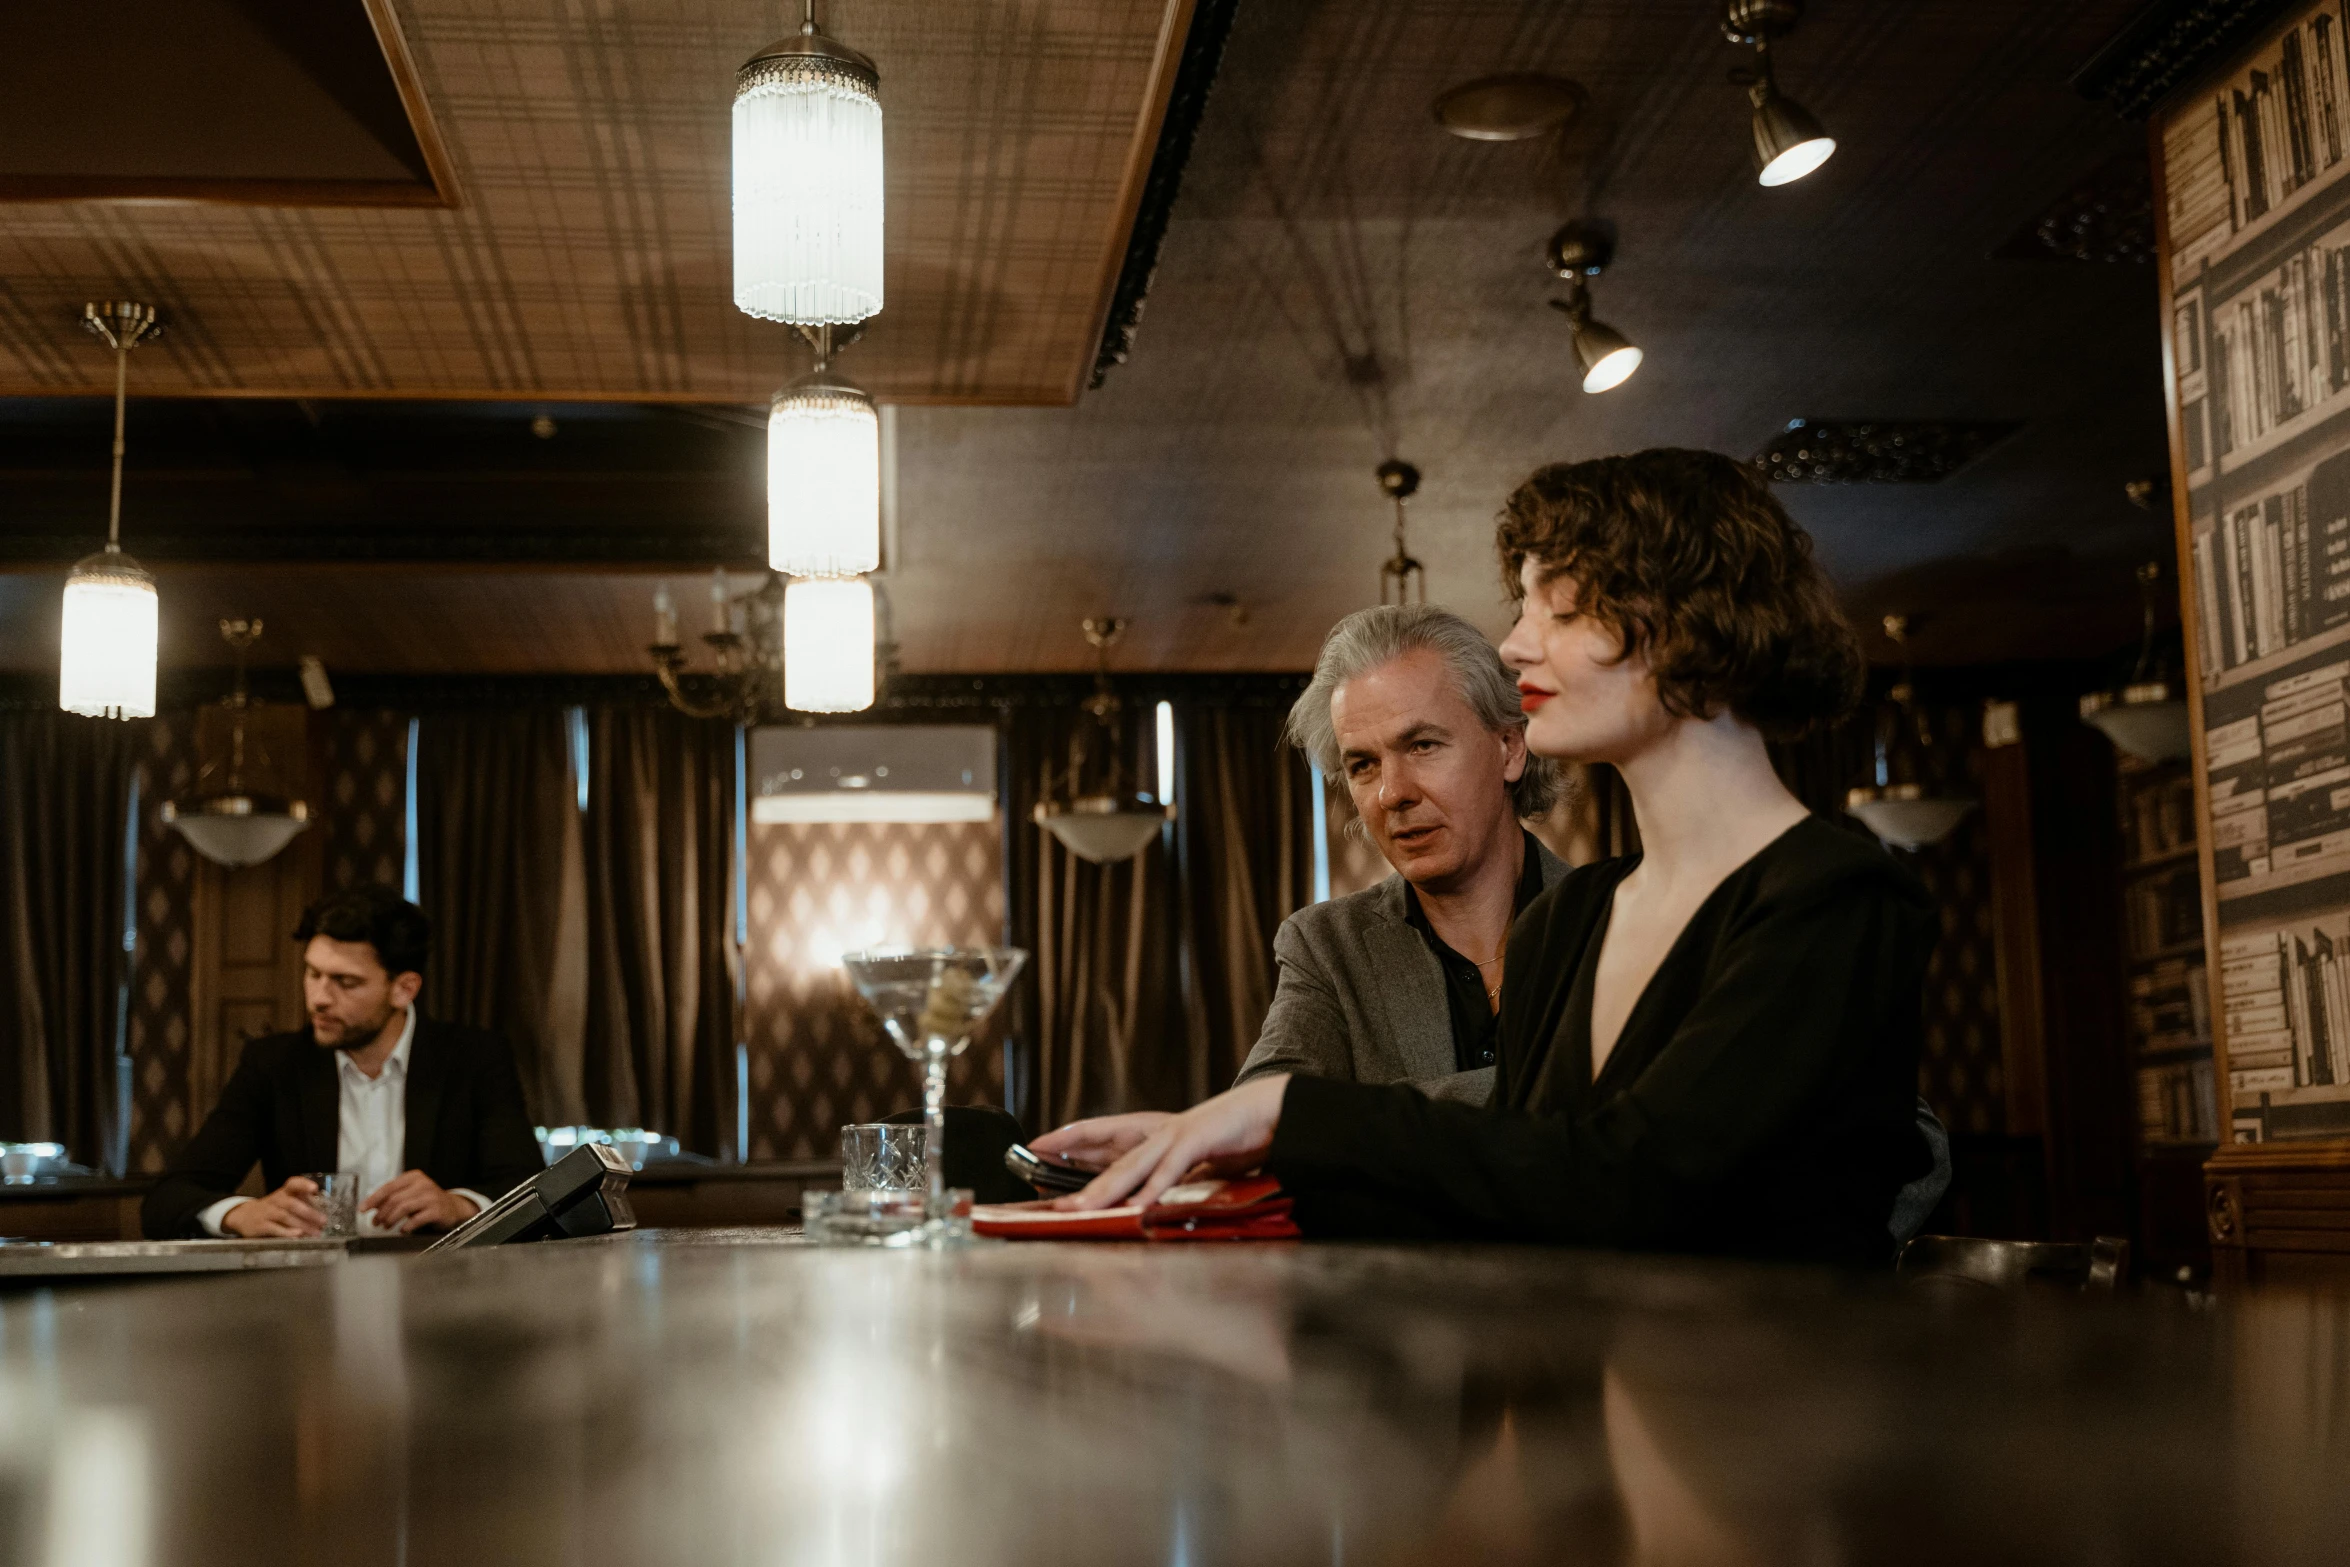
column 1708, row 1047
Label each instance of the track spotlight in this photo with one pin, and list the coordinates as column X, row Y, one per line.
column 1788, row 142
column 1607, row 358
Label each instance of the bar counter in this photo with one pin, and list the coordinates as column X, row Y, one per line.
column 735, row 1396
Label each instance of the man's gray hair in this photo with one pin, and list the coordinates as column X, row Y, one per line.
column 1369, row 638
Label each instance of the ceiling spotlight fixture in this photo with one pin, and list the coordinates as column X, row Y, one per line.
column 1402, row 580
column 828, row 645
column 1902, row 813
column 1788, row 142
column 1107, row 825
column 1516, row 107
column 106, row 655
column 1579, row 251
column 2145, row 718
column 807, row 181
column 823, row 471
column 229, row 823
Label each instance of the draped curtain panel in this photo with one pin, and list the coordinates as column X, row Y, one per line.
column 1149, row 978
column 499, row 855
column 659, row 855
column 1098, row 1026
column 1245, row 842
column 64, row 798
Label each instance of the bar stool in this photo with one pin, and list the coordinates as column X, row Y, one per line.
column 2097, row 1267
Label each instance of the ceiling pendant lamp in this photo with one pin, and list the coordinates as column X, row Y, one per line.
column 823, row 473
column 1903, row 814
column 1402, row 579
column 1788, row 142
column 230, row 823
column 807, row 181
column 1108, row 825
column 106, row 653
column 828, row 645
column 2144, row 718
column 1604, row 357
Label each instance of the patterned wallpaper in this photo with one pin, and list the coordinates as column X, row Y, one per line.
column 1961, row 1073
column 818, row 1059
column 359, row 796
column 166, row 888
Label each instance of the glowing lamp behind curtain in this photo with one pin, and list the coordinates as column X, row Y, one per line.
column 828, row 645
column 106, row 667
column 807, row 182
column 823, row 480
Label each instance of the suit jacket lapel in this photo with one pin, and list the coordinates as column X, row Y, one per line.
column 428, row 1075
column 1410, row 988
column 319, row 1095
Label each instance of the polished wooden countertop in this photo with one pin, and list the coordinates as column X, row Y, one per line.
column 737, row 1397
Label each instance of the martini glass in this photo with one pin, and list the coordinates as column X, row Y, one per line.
column 931, row 1002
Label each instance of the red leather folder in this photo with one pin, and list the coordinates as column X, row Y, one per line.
column 1249, row 1209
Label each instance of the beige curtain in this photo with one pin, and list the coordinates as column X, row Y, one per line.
column 659, row 834
column 1245, row 846
column 504, row 883
column 1097, row 1020
column 1149, row 978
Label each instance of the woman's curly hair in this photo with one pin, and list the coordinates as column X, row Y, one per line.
column 1692, row 561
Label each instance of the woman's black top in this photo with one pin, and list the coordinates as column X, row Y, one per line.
column 1760, row 1101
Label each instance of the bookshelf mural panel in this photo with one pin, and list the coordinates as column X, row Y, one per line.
column 2257, row 201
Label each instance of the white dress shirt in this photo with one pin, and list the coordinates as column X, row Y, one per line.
column 371, row 1132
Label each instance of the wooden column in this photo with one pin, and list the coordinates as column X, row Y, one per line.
column 2048, row 807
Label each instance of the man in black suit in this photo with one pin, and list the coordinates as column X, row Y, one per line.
column 429, row 1114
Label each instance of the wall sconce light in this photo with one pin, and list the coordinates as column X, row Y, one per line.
column 1607, row 358
column 1788, row 142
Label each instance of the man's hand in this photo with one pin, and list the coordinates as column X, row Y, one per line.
column 1097, row 1144
column 412, row 1200
column 1228, row 1134
column 286, row 1212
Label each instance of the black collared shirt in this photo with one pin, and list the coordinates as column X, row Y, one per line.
column 1476, row 1027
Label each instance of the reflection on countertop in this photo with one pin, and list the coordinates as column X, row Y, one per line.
column 737, row 1396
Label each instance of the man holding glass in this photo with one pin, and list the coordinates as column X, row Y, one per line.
column 427, row 1115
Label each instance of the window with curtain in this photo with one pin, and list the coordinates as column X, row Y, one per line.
column 65, row 785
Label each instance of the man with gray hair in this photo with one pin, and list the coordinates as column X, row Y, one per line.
column 1414, row 711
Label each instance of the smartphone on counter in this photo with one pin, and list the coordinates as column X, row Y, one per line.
column 1046, row 1175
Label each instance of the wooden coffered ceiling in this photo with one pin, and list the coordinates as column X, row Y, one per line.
column 1339, row 282
column 585, row 146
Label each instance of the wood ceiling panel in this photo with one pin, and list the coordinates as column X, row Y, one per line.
column 591, row 255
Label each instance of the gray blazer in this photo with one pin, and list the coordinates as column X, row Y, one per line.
column 1360, row 998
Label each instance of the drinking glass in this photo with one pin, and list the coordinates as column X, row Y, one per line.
column 338, row 1199
column 882, row 1157
column 931, row 1002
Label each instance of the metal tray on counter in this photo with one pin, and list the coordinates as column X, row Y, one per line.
column 97, row 1259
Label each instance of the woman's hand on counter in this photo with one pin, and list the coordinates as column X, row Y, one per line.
column 1227, row 1135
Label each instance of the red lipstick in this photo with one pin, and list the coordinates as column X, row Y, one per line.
column 1532, row 697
